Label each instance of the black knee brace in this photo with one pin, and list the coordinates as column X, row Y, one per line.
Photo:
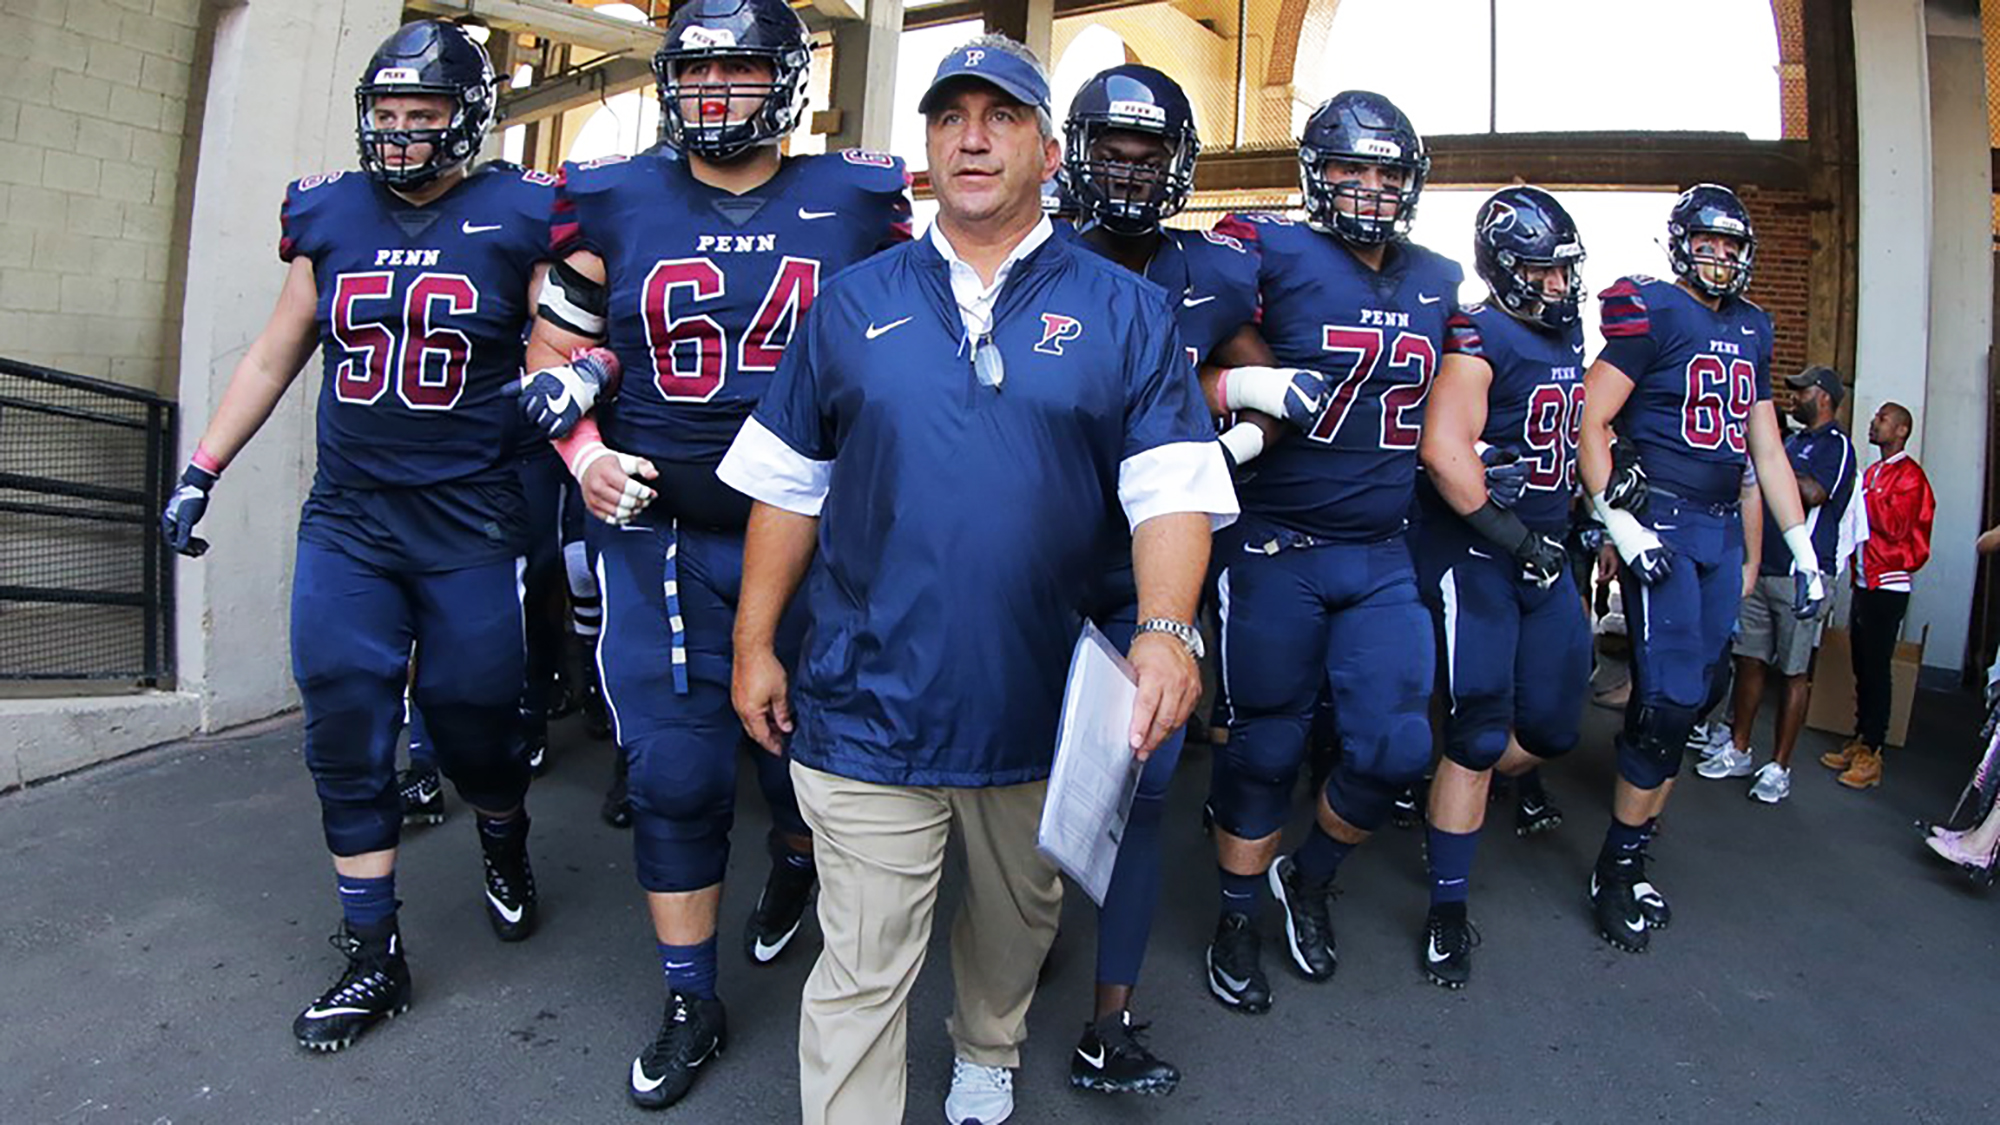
column 1650, row 748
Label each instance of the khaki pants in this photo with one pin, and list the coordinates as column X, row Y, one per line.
column 880, row 850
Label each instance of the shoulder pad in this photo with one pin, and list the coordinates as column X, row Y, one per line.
column 1622, row 308
column 876, row 172
column 310, row 182
column 1462, row 335
column 868, row 158
column 1218, row 238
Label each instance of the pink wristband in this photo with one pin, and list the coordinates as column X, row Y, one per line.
column 205, row 461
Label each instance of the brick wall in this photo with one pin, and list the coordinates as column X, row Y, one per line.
column 93, row 109
column 1783, row 282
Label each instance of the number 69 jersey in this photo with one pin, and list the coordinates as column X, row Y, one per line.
column 703, row 289
column 1695, row 374
column 422, row 314
column 1378, row 337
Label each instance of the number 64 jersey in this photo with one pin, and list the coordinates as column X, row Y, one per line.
column 703, row 289
column 1696, row 372
column 1377, row 336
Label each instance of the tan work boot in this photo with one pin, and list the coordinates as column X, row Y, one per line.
column 1866, row 770
column 1839, row 760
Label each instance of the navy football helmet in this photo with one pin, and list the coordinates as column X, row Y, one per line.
column 1125, row 196
column 1525, row 226
column 425, row 57
column 1711, row 209
column 1358, row 127
column 717, row 29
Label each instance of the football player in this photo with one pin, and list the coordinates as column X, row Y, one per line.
column 695, row 262
column 1321, row 591
column 416, row 278
column 1514, row 646
column 1128, row 164
column 1685, row 374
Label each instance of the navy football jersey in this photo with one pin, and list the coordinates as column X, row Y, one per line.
column 422, row 319
column 1534, row 405
column 704, row 289
column 1377, row 336
column 423, row 315
column 1211, row 283
column 1696, row 373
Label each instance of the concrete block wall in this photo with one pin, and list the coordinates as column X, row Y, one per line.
column 93, row 109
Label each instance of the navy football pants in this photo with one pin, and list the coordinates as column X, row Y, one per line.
column 664, row 661
column 1511, row 656
column 352, row 627
column 1343, row 615
column 552, row 501
column 1679, row 629
column 1125, row 921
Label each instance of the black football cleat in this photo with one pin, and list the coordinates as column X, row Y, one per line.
column 780, row 911
column 1652, row 903
column 1448, row 941
column 1308, row 924
column 1615, row 906
column 510, row 883
column 374, row 987
column 692, row 1032
column 1236, row 965
column 1404, row 813
column 1112, row 1057
column 422, row 794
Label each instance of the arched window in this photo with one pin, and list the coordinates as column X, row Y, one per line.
column 1096, row 48
column 624, row 124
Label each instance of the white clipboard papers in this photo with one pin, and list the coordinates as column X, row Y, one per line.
column 1095, row 774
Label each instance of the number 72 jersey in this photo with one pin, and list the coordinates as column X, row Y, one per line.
column 1696, row 373
column 1377, row 337
column 703, row 289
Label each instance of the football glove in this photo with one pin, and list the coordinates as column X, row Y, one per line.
column 1542, row 559
column 1296, row 394
column 1506, row 474
column 554, row 399
column 1635, row 542
column 184, row 509
column 1627, row 489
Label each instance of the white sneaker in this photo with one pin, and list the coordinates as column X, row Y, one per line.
column 980, row 1095
column 1774, row 784
column 1716, row 738
column 1727, row 762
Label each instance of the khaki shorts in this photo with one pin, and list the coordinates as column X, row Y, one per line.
column 1767, row 631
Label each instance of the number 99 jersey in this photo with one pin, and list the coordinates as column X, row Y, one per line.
column 1696, row 373
column 703, row 289
column 1534, row 405
column 422, row 318
column 1377, row 336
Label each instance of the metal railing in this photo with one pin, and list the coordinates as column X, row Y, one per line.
column 86, row 585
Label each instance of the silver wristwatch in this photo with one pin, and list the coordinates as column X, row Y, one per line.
column 1187, row 635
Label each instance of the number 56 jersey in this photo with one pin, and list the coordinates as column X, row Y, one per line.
column 703, row 289
column 422, row 317
column 1696, row 372
column 1377, row 337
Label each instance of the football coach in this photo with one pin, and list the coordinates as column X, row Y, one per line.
column 939, row 460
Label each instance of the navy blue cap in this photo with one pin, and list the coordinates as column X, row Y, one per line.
column 1014, row 77
column 1825, row 378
